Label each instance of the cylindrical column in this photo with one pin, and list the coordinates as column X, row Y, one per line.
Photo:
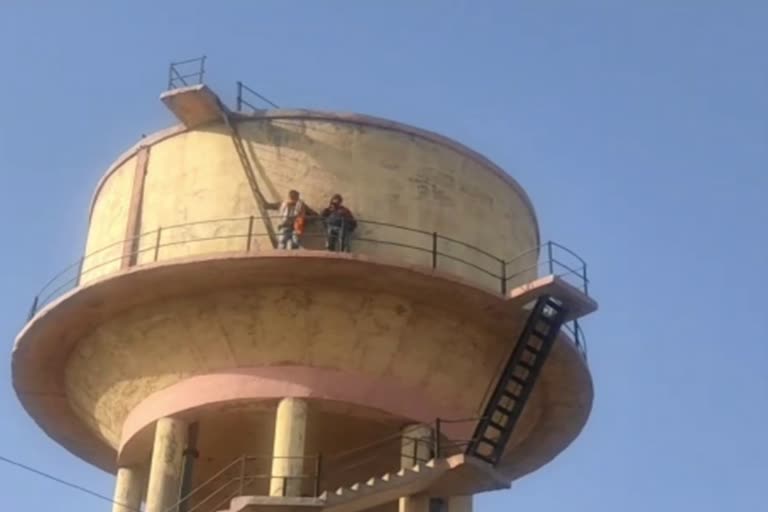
column 288, row 450
column 165, row 472
column 415, row 448
column 460, row 504
column 129, row 488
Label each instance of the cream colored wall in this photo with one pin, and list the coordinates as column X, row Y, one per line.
column 103, row 248
column 385, row 176
column 151, row 347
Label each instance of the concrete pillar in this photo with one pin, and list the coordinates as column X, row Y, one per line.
column 165, row 472
column 129, row 489
column 415, row 448
column 460, row 504
column 288, row 450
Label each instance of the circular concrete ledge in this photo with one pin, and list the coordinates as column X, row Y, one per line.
column 558, row 409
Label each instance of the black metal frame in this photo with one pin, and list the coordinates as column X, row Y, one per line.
column 180, row 71
column 243, row 91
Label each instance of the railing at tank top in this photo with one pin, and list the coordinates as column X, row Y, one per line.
column 440, row 251
column 186, row 72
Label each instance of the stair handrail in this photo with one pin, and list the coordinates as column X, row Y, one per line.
column 229, row 466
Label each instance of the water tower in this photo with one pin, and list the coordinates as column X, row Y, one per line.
column 439, row 357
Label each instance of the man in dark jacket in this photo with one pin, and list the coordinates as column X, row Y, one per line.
column 339, row 224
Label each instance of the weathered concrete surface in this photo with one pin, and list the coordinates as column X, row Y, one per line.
column 387, row 172
column 165, row 471
column 86, row 362
column 460, row 504
column 288, row 450
column 129, row 488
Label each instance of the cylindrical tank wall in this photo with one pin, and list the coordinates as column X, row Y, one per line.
column 385, row 175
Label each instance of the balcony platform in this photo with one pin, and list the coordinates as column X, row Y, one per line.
column 44, row 346
column 194, row 105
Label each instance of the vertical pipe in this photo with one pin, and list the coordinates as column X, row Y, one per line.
column 434, row 250
column 318, row 469
column 79, row 270
column 243, row 461
column 250, row 233
column 503, row 277
column 157, row 243
column 549, row 257
column 189, row 455
column 33, row 309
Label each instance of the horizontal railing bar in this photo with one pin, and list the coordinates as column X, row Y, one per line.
column 465, row 262
column 464, row 244
column 187, row 61
column 581, row 260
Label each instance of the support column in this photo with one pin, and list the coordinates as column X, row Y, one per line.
column 415, row 448
column 129, row 488
column 460, row 504
column 288, row 450
column 165, row 472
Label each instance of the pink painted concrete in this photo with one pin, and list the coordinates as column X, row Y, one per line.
column 274, row 382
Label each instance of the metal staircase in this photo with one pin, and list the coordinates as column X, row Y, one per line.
column 517, row 380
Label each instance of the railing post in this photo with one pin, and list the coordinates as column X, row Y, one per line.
column 586, row 281
column 242, row 475
column 318, row 469
column 549, row 257
column 437, row 435
column 250, row 233
column 33, row 309
column 503, row 277
column 202, row 68
column 79, row 271
column 434, row 250
column 239, row 104
column 157, row 242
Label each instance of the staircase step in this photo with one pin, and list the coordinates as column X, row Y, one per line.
column 495, row 425
column 511, row 395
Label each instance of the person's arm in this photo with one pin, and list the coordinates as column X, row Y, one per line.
column 272, row 206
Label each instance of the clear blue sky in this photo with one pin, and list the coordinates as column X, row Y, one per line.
column 640, row 130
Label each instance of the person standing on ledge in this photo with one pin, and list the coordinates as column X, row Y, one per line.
column 339, row 224
column 291, row 216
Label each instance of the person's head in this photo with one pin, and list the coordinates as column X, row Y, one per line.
column 293, row 195
column 336, row 199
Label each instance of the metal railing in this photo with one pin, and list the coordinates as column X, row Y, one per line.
column 430, row 249
column 323, row 472
column 245, row 93
column 249, row 475
column 186, row 72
